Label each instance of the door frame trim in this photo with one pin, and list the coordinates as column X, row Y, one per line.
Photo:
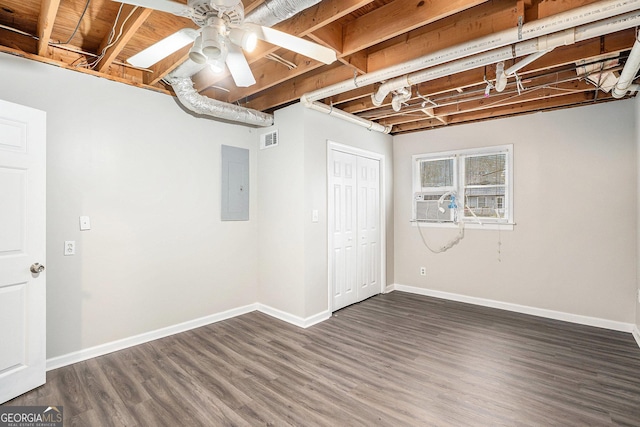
column 336, row 146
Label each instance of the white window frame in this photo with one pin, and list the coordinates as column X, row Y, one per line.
column 459, row 186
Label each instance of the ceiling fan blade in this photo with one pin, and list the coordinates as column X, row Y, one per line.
column 165, row 47
column 161, row 5
column 239, row 67
column 293, row 43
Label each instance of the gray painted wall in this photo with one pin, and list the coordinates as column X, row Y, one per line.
column 574, row 246
column 292, row 183
column 148, row 175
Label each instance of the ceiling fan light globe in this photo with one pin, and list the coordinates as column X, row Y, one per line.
column 212, row 52
column 195, row 53
column 249, row 41
column 197, row 57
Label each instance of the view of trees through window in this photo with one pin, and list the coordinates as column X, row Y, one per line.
column 485, row 184
column 436, row 173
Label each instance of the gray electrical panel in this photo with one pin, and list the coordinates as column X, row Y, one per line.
column 235, row 184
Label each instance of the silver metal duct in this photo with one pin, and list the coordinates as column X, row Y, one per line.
column 268, row 14
column 271, row 12
column 192, row 100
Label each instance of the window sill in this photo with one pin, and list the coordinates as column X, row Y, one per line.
column 502, row 226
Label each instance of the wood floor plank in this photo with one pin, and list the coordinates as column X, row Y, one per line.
column 392, row 360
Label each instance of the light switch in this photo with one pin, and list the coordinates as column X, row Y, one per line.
column 314, row 215
column 85, row 223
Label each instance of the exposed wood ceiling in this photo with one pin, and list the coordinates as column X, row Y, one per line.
column 368, row 35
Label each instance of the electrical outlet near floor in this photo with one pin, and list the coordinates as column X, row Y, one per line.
column 638, row 295
column 423, row 272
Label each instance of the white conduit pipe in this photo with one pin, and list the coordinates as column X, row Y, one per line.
column 541, row 27
column 502, row 75
column 534, row 48
column 628, row 73
column 191, row 99
column 324, row 108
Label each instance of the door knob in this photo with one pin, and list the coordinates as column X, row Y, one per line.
column 37, row 268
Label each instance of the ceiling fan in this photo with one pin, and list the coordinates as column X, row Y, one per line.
column 221, row 37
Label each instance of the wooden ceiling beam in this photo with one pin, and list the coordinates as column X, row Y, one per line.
column 571, row 100
column 302, row 24
column 46, row 19
column 64, row 59
column 470, row 24
column 294, row 88
column 389, row 15
column 160, row 69
column 270, row 73
column 398, row 17
column 250, row 5
column 496, row 101
column 130, row 19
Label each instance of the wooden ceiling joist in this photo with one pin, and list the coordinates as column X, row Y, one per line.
column 367, row 36
column 46, row 19
column 130, row 19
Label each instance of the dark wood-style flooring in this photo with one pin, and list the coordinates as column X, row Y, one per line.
column 393, row 360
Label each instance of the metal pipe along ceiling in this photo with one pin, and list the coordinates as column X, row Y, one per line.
column 192, row 100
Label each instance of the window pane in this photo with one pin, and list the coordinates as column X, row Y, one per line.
column 485, row 202
column 485, row 170
column 436, row 173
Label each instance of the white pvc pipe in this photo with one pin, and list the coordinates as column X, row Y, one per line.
column 534, row 48
column 539, row 28
column 352, row 118
column 628, row 73
column 526, row 61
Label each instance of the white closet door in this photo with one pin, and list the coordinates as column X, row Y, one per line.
column 368, row 227
column 355, row 207
column 344, row 257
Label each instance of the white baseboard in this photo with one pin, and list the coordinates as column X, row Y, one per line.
column 100, row 350
column 389, row 288
column 294, row 320
column 541, row 312
column 636, row 334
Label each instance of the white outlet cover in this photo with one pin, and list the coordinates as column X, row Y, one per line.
column 69, row 247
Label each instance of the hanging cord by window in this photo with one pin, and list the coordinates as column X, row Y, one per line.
column 449, row 244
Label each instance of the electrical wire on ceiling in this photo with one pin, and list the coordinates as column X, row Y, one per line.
column 86, row 6
column 111, row 40
column 290, row 65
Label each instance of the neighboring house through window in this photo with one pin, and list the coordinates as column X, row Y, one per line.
column 465, row 185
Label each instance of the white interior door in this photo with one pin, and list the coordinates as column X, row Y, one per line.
column 368, row 228
column 344, row 257
column 22, row 244
column 355, row 228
